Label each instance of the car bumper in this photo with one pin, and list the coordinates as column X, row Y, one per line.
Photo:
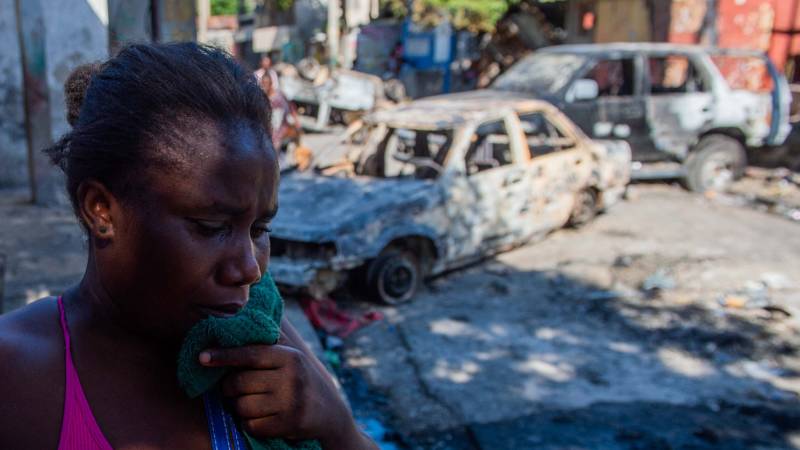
column 315, row 277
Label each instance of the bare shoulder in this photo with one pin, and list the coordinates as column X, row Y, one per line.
column 32, row 374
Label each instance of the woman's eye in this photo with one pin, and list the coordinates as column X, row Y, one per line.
column 210, row 228
column 260, row 230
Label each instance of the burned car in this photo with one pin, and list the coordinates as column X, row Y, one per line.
column 688, row 111
column 437, row 184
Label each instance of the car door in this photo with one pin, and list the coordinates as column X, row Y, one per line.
column 559, row 167
column 619, row 110
column 679, row 103
column 488, row 200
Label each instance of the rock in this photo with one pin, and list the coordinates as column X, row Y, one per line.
column 775, row 280
column 498, row 287
column 660, row 280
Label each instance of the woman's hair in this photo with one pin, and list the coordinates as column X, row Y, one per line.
column 134, row 110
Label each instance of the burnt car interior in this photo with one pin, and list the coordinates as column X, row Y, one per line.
column 543, row 137
column 489, row 148
column 674, row 74
column 407, row 153
column 614, row 77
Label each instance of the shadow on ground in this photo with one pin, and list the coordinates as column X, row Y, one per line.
column 496, row 358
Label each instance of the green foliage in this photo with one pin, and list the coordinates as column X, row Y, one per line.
column 224, row 7
column 474, row 15
column 284, row 5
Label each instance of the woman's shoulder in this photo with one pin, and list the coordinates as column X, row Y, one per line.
column 32, row 351
column 34, row 324
column 30, row 340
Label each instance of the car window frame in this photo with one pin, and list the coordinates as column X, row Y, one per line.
column 635, row 58
column 693, row 62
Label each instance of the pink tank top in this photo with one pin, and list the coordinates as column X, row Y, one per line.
column 79, row 430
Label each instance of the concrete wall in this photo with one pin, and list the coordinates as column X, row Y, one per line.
column 129, row 21
column 75, row 33
column 13, row 152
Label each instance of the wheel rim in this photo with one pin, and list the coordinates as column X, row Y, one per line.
column 398, row 280
column 718, row 172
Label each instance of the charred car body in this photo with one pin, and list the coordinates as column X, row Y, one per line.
column 436, row 184
column 687, row 111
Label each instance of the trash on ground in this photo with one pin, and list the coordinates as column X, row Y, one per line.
column 325, row 315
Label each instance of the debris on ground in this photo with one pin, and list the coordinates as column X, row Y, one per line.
column 771, row 190
column 325, row 315
column 659, row 281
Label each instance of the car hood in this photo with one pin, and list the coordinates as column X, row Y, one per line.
column 316, row 208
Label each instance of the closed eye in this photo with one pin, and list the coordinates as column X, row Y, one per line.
column 260, row 229
column 210, row 227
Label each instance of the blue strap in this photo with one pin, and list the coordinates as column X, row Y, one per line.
column 221, row 425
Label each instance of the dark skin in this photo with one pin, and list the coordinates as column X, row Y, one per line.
column 201, row 225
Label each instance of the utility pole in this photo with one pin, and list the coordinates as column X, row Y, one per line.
column 333, row 32
column 45, row 181
column 203, row 12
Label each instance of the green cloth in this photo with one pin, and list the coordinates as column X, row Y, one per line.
column 257, row 323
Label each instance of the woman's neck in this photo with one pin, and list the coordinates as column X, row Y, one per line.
column 93, row 312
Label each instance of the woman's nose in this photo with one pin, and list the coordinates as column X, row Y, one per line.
column 241, row 268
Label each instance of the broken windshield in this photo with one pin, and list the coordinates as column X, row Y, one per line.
column 540, row 73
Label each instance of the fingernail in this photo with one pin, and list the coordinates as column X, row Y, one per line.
column 205, row 357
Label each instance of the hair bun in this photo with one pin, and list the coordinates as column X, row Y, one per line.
column 75, row 89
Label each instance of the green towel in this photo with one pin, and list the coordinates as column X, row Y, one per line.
column 257, row 323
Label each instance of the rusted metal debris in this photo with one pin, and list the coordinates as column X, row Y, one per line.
column 324, row 97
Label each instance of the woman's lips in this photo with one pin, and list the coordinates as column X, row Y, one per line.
column 221, row 310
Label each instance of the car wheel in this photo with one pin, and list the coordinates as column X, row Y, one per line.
column 585, row 209
column 716, row 162
column 394, row 277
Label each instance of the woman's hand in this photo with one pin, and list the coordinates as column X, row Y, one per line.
column 283, row 391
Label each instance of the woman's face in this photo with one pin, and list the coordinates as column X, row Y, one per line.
column 198, row 238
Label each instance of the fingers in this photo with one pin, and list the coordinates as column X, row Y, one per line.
column 251, row 382
column 252, row 356
column 274, row 426
column 256, row 406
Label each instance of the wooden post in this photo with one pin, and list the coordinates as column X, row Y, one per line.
column 45, row 181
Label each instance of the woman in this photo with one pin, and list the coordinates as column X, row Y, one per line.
column 173, row 178
column 284, row 120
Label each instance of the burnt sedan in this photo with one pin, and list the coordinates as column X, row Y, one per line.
column 436, row 184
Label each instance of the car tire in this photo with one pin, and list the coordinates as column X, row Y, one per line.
column 585, row 209
column 716, row 162
column 394, row 277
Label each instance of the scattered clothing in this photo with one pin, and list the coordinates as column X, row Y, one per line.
column 325, row 315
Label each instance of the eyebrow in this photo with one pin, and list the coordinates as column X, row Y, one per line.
column 223, row 208
column 231, row 210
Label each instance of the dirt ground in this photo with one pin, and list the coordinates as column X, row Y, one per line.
column 669, row 322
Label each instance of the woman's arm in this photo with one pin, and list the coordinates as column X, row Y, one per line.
column 351, row 437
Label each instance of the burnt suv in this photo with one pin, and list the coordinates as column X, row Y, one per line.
column 687, row 112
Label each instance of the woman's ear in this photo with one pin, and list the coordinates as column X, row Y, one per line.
column 95, row 205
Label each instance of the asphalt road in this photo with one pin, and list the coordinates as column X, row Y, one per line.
column 669, row 322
